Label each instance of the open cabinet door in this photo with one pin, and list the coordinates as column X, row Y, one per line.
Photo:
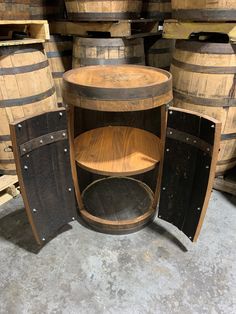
column 191, row 152
column 42, row 155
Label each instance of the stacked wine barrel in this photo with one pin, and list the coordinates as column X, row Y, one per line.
column 204, row 72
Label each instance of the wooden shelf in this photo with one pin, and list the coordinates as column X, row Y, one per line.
column 37, row 31
column 174, row 29
column 122, row 28
column 117, row 151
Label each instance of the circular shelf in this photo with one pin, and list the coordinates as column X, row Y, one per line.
column 117, row 87
column 117, row 150
column 117, row 205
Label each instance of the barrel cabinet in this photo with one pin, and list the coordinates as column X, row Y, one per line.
column 59, row 54
column 204, row 81
column 105, row 51
column 26, row 89
column 204, row 10
column 160, row 9
column 131, row 153
column 104, row 10
column 159, row 52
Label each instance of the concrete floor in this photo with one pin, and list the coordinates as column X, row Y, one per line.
column 156, row 270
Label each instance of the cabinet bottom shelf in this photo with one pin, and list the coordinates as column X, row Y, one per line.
column 117, row 205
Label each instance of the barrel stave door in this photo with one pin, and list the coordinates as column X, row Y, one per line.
column 191, row 151
column 42, row 154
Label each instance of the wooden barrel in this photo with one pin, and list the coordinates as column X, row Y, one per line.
column 99, row 51
column 159, row 53
column 59, row 53
column 160, row 9
column 14, row 10
column 103, row 9
column 218, row 10
column 26, row 89
column 47, row 9
column 204, row 81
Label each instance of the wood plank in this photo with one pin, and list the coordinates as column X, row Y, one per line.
column 117, row 151
column 36, row 31
column 174, row 29
column 7, row 181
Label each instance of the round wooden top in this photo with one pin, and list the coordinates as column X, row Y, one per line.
column 117, row 77
column 120, row 83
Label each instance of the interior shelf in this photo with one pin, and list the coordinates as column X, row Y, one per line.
column 117, row 150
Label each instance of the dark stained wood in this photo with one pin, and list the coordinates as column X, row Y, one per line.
column 44, row 174
column 117, row 204
column 188, row 171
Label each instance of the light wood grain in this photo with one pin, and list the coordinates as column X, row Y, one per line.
column 205, row 86
column 117, row 151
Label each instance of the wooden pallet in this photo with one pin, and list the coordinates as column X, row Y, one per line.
column 37, row 31
column 174, row 29
column 124, row 28
column 8, row 188
column 227, row 183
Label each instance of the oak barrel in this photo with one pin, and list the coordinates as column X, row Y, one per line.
column 160, row 9
column 217, row 10
column 47, row 9
column 159, row 53
column 204, row 80
column 103, row 9
column 15, row 10
column 95, row 51
column 26, row 89
column 59, row 53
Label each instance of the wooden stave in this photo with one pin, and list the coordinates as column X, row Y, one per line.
column 10, row 14
column 47, row 9
column 106, row 43
column 59, row 57
column 95, row 14
column 159, row 54
column 11, row 109
column 153, row 9
column 220, row 108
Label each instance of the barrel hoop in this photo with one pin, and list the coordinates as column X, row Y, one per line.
column 190, row 140
column 7, row 172
column 57, row 74
column 226, row 137
column 108, row 42
column 7, row 161
column 56, row 54
column 100, row 93
column 102, row 16
column 203, row 69
column 26, row 100
column 43, row 140
column 4, row 138
column 205, row 15
column 225, row 162
column 211, row 102
column 19, row 49
column 204, row 47
column 94, row 61
column 158, row 15
column 24, row 69
column 159, row 50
